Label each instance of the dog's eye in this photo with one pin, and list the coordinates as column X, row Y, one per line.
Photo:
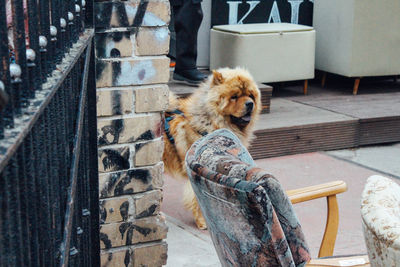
column 234, row 97
column 252, row 97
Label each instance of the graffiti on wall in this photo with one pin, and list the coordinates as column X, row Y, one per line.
column 118, row 25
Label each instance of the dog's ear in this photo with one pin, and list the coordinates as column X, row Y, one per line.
column 217, row 78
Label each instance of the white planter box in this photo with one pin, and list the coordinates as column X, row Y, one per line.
column 271, row 52
column 357, row 38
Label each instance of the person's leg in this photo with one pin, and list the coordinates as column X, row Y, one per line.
column 188, row 17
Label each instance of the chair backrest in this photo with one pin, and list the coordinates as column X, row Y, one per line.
column 380, row 212
column 249, row 216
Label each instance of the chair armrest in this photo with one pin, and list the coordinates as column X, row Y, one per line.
column 328, row 190
column 316, row 191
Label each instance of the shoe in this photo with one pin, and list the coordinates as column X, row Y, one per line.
column 192, row 77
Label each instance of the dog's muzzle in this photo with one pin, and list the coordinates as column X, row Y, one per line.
column 249, row 106
column 243, row 121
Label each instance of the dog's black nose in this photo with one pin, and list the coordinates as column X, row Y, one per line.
column 249, row 106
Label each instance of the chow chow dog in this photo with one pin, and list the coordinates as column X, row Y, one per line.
column 230, row 99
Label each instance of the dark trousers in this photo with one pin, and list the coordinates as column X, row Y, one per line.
column 188, row 16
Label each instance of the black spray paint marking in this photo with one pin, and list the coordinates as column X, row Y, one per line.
column 116, row 102
column 102, row 38
column 138, row 20
column 103, row 13
column 123, row 227
column 119, row 188
column 118, row 181
column 128, row 229
column 100, row 66
column 105, row 240
column 147, row 135
column 142, row 230
column 139, row 146
column 103, row 21
column 116, row 159
column 113, row 180
column 123, row 209
column 115, row 129
column 103, row 213
column 115, row 53
column 150, row 211
column 127, row 258
column 115, row 72
column 141, row 174
column 121, row 11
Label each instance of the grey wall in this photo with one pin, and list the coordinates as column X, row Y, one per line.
column 203, row 59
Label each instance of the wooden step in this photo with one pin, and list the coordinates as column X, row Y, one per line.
column 293, row 128
column 378, row 114
column 303, row 125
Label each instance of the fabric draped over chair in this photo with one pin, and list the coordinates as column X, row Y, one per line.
column 250, row 218
column 380, row 213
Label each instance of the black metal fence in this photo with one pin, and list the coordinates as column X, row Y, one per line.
column 48, row 147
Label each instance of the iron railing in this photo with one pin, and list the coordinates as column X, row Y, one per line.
column 48, row 148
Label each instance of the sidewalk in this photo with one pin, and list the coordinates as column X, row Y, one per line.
column 188, row 246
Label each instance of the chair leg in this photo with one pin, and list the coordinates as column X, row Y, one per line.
column 331, row 229
column 305, row 87
column 323, row 80
column 356, row 84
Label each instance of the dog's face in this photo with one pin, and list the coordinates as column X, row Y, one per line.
column 236, row 96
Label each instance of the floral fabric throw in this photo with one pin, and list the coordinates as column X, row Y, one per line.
column 250, row 218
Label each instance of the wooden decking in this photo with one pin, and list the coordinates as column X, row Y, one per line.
column 293, row 128
column 326, row 119
column 378, row 115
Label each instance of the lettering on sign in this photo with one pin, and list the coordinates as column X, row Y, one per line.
column 261, row 11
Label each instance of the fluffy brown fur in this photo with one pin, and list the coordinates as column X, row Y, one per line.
column 228, row 99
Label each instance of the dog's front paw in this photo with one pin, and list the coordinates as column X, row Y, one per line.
column 201, row 223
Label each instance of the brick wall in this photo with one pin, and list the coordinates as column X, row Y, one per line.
column 132, row 40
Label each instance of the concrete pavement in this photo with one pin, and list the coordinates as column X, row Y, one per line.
column 382, row 158
column 191, row 247
column 188, row 247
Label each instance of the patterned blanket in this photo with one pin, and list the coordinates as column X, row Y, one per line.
column 250, row 218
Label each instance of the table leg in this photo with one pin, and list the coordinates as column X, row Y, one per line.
column 305, row 87
column 323, row 80
column 356, row 84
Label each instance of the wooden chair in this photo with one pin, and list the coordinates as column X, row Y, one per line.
column 249, row 216
column 328, row 190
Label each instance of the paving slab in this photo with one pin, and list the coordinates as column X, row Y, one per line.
column 189, row 248
column 172, row 201
column 382, row 158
